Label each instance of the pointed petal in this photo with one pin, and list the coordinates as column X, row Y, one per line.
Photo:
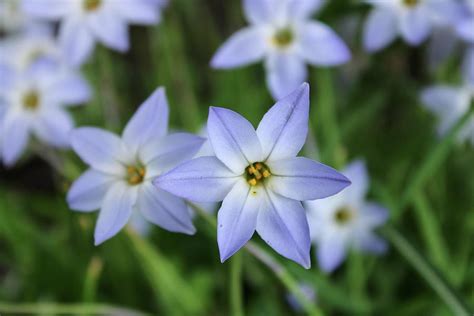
column 370, row 242
column 15, row 135
column 233, row 139
column 357, row 174
column 110, row 30
column 285, row 72
column 320, row 45
column 88, row 191
column 373, row 215
column 46, row 9
column 283, row 129
column 70, row 89
column 76, row 41
column 258, row 11
column 380, row 29
column 244, row 47
column 53, row 127
column 415, row 25
column 282, row 225
column 237, row 218
column 331, row 252
column 149, row 121
column 164, row 209
column 100, row 149
column 137, row 12
column 305, row 179
column 204, row 179
column 116, row 210
column 304, row 9
column 465, row 29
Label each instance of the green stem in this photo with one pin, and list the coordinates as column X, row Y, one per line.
column 92, row 277
column 439, row 285
column 236, row 285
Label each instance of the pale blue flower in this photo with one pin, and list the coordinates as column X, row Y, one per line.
column 282, row 34
column 35, row 103
column 412, row 19
column 258, row 177
column 85, row 22
column 346, row 221
column 449, row 104
column 122, row 168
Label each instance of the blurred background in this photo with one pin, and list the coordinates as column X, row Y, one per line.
column 368, row 109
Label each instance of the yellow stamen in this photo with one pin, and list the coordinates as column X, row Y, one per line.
column 31, row 100
column 91, row 5
column 135, row 174
column 257, row 172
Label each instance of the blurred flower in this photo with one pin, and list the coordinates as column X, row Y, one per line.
column 34, row 103
column 119, row 180
column 11, row 16
column 412, row 19
column 83, row 22
column 259, row 178
column 450, row 104
column 308, row 291
column 282, row 34
column 346, row 220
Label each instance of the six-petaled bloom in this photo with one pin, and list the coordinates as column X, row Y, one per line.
column 259, row 178
column 85, row 22
column 121, row 169
column 346, row 221
column 283, row 35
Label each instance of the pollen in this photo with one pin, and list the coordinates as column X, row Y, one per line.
column 256, row 173
column 283, row 37
column 135, row 174
column 31, row 100
column 343, row 215
column 410, row 3
column 91, row 5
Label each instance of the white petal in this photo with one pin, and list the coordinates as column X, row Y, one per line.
column 110, row 30
column 259, row 11
column 380, row 29
column 356, row 172
column 15, row 133
column 331, row 252
column 285, row 73
column 53, row 127
column 415, row 25
column 76, row 41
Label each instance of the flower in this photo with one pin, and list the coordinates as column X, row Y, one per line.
column 346, row 220
column 450, row 103
column 465, row 30
column 34, row 103
column 83, row 22
column 282, row 33
column 258, row 177
column 413, row 19
column 121, row 170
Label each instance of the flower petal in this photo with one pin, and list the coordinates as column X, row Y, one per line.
column 47, row 9
column 76, row 41
column 285, row 72
column 70, row 89
column 100, row 149
column 88, row 191
column 164, row 209
column 465, row 29
column 283, row 226
column 331, row 252
column 150, row 120
column 320, row 45
column 357, row 174
column 137, row 12
column 110, row 29
column 244, row 47
column 380, row 29
column 116, row 210
column 204, row 179
column 305, row 179
column 370, row 242
column 233, row 139
column 53, row 127
column 237, row 218
column 468, row 66
column 282, row 131
column 303, row 9
column 415, row 25
column 373, row 215
column 258, row 11
column 15, row 135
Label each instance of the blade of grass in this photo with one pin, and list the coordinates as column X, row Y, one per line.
column 236, row 285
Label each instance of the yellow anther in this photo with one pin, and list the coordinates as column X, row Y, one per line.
column 91, row 5
column 256, row 172
column 266, row 173
column 31, row 100
column 252, row 182
column 135, row 174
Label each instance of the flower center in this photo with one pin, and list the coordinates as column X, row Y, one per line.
column 136, row 174
column 343, row 215
column 283, row 37
column 256, row 173
column 410, row 3
column 91, row 5
column 31, row 100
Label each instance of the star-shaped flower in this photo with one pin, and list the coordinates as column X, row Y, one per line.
column 346, row 221
column 412, row 19
column 85, row 22
column 283, row 35
column 258, row 177
column 119, row 180
column 34, row 102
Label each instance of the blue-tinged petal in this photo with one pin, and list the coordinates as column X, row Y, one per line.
column 8, row 78
column 47, row 9
column 465, row 29
column 302, row 179
column 415, row 25
column 380, row 29
column 233, row 139
column 137, row 12
column 285, row 72
column 282, row 224
column 169, row 151
column 321, row 46
column 259, row 11
column 331, row 252
column 164, row 209
column 302, row 9
column 76, row 41
column 110, row 29
column 244, row 47
column 100, row 149
column 373, row 215
column 369, row 242
column 150, row 120
column 15, row 133
column 204, row 179
column 88, row 191
column 283, row 129
column 117, row 207
column 53, row 127
column 357, row 174
column 70, row 89
column 468, row 66
column 237, row 218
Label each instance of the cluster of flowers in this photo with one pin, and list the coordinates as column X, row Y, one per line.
column 257, row 175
